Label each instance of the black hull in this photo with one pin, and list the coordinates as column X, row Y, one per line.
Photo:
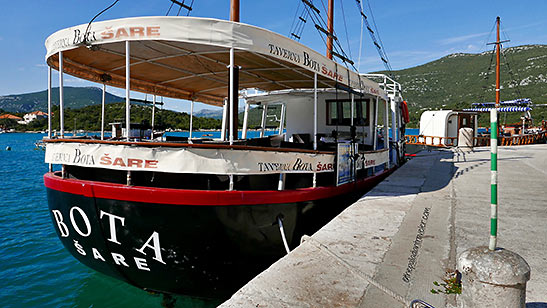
column 205, row 251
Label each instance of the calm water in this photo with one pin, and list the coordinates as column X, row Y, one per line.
column 35, row 269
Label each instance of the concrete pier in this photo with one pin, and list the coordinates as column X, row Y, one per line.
column 389, row 248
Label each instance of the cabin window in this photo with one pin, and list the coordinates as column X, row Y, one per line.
column 339, row 112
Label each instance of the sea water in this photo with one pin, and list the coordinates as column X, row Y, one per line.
column 35, row 269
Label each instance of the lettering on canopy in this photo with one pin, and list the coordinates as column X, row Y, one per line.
column 186, row 160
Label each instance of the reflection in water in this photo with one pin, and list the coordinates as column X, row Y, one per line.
column 98, row 290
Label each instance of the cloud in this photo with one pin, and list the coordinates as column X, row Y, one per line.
column 462, row 38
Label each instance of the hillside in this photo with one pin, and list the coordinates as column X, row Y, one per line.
column 89, row 119
column 454, row 81
column 457, row 80
column 74, row 97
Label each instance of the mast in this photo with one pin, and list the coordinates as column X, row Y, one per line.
column 233, row 89
column 234, row 10
column 330, row 26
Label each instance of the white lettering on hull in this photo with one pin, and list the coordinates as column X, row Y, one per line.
column 85, row 230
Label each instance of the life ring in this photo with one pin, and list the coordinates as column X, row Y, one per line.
column 406, row 116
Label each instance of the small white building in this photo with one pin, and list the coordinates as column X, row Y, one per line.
column 29, row 117
column 439, row 126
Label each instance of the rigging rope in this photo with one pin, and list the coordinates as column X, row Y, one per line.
column 379, row 46
column 346, row 28
column 360, row 39
column 181, row 5
column 515, row 76
column 89, row 25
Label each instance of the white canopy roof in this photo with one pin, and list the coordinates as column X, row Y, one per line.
column 187, row 58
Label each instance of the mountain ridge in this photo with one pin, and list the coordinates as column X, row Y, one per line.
column 450, row 82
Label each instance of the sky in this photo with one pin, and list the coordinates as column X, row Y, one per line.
column 412, row 32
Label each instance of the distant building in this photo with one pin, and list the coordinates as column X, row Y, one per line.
column 29, row 117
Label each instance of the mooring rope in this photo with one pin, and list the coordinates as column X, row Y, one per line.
column 282, row 231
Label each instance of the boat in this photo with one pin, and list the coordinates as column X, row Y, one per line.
column 448, row 128
column 202, row 216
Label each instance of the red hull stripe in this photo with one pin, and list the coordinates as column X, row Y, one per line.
column 202, row 197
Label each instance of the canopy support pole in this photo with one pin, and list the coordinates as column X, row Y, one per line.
column 245, row 120
column 352, row 109
column 61, row 98
column 394, row 128
column 231, row 96
column 153, row 114
column 50, row 166
column 102, row 111
column 191, row 121
column 375, row 130
column 127, row 91
column 224, row 120
column 314, row 180
column 49, row 102
column 386, row 134
column 282, row 119
column 315, row 112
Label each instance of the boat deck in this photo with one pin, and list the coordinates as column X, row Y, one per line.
column 443, row 198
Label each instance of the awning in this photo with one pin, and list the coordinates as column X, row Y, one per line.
column 515, row 102
column 501, row 109
column 187, row 58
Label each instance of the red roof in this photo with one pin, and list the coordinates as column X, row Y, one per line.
column 10, row 116
column 39, row 113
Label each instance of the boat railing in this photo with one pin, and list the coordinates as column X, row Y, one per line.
column 437, row 141
column 479, row 141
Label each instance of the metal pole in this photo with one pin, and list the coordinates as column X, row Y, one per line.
column 232, row 100
column 282, row 119
column 314, row 181
column 315, row 112
column 61, row 97
column 386, row 134
column 49, row 102
column 191, row 119
column 394, row 130
column 127, row 91
column 224, row 120
column 245, row 119
column 102, row 112
column 352, row 108
column 494, row 151
column 375, row 131
column 263, row 123
column 153, row 114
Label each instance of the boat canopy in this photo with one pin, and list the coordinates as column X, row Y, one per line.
column 188, row 58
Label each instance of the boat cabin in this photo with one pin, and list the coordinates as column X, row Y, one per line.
column 441, row 127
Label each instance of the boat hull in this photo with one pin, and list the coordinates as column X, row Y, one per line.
column 187, row 244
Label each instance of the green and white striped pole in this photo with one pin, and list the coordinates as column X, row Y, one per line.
column 494, row 150
column 493, row 178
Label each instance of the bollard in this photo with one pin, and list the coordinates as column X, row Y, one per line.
column 492, row 278
column 465, row 139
